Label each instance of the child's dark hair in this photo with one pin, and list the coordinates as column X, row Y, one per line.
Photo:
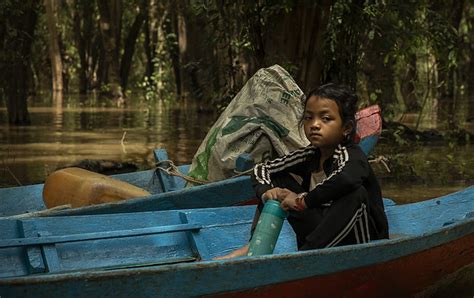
column 345, row 99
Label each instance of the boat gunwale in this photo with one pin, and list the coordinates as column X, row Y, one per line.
column 136, row 201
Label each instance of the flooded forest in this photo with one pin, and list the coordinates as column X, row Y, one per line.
column 109, row 81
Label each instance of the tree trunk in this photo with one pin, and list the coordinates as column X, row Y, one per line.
column 470, row 86
column 469, row 62
column 16, row 92
column 297, row 38
column 252, row 60
column 83, row 26
column 191, row 65
column 54, row 51
column 452, row 10
column 152, row 21
column 110, row 27
column 171, row 26
column 81, row 49
column 15, row 63
column 312, row 46
column 407, row 85
column 129, row 49
column 147, row 45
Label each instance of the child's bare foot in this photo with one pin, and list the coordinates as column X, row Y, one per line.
column 236, row 253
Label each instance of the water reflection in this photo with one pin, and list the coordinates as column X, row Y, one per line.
column 61, row 136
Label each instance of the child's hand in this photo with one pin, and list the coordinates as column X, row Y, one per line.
column 289, row 203
column 294, row 202
column 276, row 194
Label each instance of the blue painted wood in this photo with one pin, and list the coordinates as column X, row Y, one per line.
column 50, row 255
column 21, row 199
column 211, row 277
column 17, row 264
column 219, row 194
column 167, row 182
column 143, row 243
column 143, row 179
column 5, row 243
column 244, row 162
column 39, row 258
column 388, row 202
column 368, row 143
column 197, row 245
column 423, row 217
column 34, row 259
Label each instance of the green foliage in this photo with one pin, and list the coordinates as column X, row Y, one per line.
column 360, row 31
column 234, row 32
column 161, row 84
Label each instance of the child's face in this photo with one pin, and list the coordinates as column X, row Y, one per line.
column 323, row 125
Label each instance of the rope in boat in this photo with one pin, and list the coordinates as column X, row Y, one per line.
column 173, row 170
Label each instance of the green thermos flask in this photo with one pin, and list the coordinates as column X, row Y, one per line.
column 267, row 230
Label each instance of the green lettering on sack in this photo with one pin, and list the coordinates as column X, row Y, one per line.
column 286, row 95
column 285, row 98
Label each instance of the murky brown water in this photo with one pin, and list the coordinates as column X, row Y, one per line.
column 61, row 137
column 64, row 135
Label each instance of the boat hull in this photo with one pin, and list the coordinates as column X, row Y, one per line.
column 397, row 267
column 402, row 277
column 262, row 277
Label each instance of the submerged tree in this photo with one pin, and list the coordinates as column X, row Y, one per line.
column 53, row 46
column 87, row 42
column 16, row 38
column 110, row 28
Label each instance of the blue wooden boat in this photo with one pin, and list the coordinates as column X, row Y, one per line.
column 169, row 192
column 168, row 254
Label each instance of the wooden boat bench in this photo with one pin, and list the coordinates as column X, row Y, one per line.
column 104, row 242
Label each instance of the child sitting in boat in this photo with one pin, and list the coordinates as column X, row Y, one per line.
column 328, row 188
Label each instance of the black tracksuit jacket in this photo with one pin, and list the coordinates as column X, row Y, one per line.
column 348, row 201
